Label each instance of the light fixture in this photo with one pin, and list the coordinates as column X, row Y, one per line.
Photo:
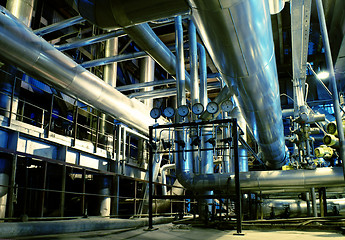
column 323, row 75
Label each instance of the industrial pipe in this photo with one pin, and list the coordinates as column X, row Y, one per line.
column 335, row 97
column 46, row 63
column 238, row 37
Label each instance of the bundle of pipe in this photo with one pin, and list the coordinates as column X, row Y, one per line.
column 22, row 48
column 238, row 36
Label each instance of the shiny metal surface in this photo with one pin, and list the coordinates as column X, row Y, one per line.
column 21, row 9
column 114, row 59
column 238, row 36
column 148, row 41
column 90, row 40
column 147, row 75
column 203, row 75
column 279, row 180
column 276, row 6
column 335, row 97
column 22, row 48
column 123, row 13
column 180, row 71
column 59, row 25
column 110, row 70
column 193, row 61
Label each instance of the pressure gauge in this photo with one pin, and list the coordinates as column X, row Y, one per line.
column 155, row 113
column 198, row 108
column 169, row 112
column 212, row 107
column 183, row 110
column 227, row 106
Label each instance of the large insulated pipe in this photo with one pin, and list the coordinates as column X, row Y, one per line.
column 123, row 13
column 147, row 75
column 147, row 40
column 291, row 180
column 238, row 36
column 21, row 47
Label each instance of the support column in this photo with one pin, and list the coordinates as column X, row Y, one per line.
column 147, row 74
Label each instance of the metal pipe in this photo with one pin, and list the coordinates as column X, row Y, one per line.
column 313, row 199
column 148, row 41
column 59, row 25
column 203, row 75
column 238, row 36
column 108, row 15
column 46, row 63
column 114, row 59
column 291, row 180
column 147, row 75
column 90, row 40
column 193, row 58
column 166, row 167
column 276, row 6
column 180, row 72
column 21, row 9
column 335, row 97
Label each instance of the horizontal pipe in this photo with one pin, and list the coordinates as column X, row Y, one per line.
column 22, row 48
column 265, row 180
column 59, row 25
column 90, row 40
column 113, row 59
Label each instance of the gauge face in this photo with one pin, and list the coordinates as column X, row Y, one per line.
column 183, row 110
column 169, row 112
column 212, row 107
column 198, row 108
column 155, row 113
column 227, row 106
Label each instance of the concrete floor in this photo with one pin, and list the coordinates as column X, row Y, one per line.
column 171, row 231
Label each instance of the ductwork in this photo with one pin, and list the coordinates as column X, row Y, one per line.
column 124, row 13
column 22, row 48
column 238, row 36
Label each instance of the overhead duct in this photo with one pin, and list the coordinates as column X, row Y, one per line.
column 238, row 37
column 22, row 48
column 124, row 13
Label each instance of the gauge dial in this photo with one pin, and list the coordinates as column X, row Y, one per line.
column 183, row 110
column 227, row 106
column 198, row 108
column 169, row 112
column 155, row 113
column 212, row 107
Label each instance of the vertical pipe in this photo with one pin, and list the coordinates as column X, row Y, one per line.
column 313, row 200
column 22, row 9
column 329, row 62
column 203, row 74
column 83, row 211
column 238, row 204
column 118, row 149
column 75, row 126
column 147, row 74
column 124, row 152
column 109, row 74
column 44, row 185
column 63, row 189
column 194, row 91
column 180, row 73
column 13, row 185
column 97, row 133
column 150, row 177
column 51, row 116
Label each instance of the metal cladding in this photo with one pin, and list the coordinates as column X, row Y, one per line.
column 124, row 13
column 22, row 48
column 238, row 37
column 290, row 180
